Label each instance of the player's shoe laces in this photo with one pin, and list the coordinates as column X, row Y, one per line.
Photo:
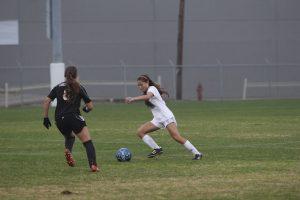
column 94, row 168
column 155, row 152
column 198, row 156
column 69, row 158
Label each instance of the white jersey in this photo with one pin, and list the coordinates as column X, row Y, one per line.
column 160, row 110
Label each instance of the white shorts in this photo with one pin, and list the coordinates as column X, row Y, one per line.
column 163, row 123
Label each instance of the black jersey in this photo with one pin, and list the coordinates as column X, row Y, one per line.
column 65, row 107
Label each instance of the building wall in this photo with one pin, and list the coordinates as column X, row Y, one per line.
column 144, row 32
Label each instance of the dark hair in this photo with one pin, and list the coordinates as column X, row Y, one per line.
column 72, row 86
column 145, row 78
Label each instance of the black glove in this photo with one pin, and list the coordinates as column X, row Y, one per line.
column 86, row 109
column 47, row 122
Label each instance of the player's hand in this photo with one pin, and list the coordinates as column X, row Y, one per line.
column 86, row 109
column 128, row 100
column 47, row 122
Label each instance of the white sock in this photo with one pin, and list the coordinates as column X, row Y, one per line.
column 150, row 142
column 191, row 147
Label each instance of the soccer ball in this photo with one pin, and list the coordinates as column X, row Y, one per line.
column 123, row 155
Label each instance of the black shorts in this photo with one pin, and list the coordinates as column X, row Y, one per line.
column 70, row 123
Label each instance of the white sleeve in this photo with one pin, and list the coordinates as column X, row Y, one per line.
column 153, row 90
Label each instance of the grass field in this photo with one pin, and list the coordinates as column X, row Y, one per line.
column 251, row 151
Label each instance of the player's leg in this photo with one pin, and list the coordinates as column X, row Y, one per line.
column 147, row 139
column 173, row 131
column 146, row 128
column 69, row 141
column 84, row 135
column 80, row 129
column 85, row 138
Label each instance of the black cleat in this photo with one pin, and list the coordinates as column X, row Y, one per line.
column 197, row 157
column 155, row 152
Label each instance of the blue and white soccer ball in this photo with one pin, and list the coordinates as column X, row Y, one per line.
column 123, row 155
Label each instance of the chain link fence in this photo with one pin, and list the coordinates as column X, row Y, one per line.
column 27, row 85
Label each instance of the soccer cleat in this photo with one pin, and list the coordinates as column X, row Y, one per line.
column 197, row 157
column 155, row 152
column 94, row 168
column 69, row 158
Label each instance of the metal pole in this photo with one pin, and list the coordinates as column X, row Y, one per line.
column 180, row 50
column 57, row 67
column 21, row 83
column 174, row 76
column 6, row 95
column 266, row 76
column 124, row 77
column 154, row 35
column 277, row 35
column 56, row 31
column 245, row 89
column 159, row 79
column 221, row 74
column 49, row 19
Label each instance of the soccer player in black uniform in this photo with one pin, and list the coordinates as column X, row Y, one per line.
column 67, row 115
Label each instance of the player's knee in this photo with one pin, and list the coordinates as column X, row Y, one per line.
column 140, row 133
column 84, row 136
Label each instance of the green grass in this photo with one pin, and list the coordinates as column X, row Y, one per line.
column 251, row 151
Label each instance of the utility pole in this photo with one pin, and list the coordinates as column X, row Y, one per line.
column 180, row 50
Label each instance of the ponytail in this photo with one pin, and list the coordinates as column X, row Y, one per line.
column 72, row 86
column 145, row 78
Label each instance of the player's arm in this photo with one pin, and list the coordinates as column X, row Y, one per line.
column 88, row 104
column 145, row 97
column 46, row 105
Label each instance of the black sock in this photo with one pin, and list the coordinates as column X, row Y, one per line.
column 69, row 141
column 90, row 152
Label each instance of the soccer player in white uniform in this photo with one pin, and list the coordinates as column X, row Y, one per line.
column 163, row 117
